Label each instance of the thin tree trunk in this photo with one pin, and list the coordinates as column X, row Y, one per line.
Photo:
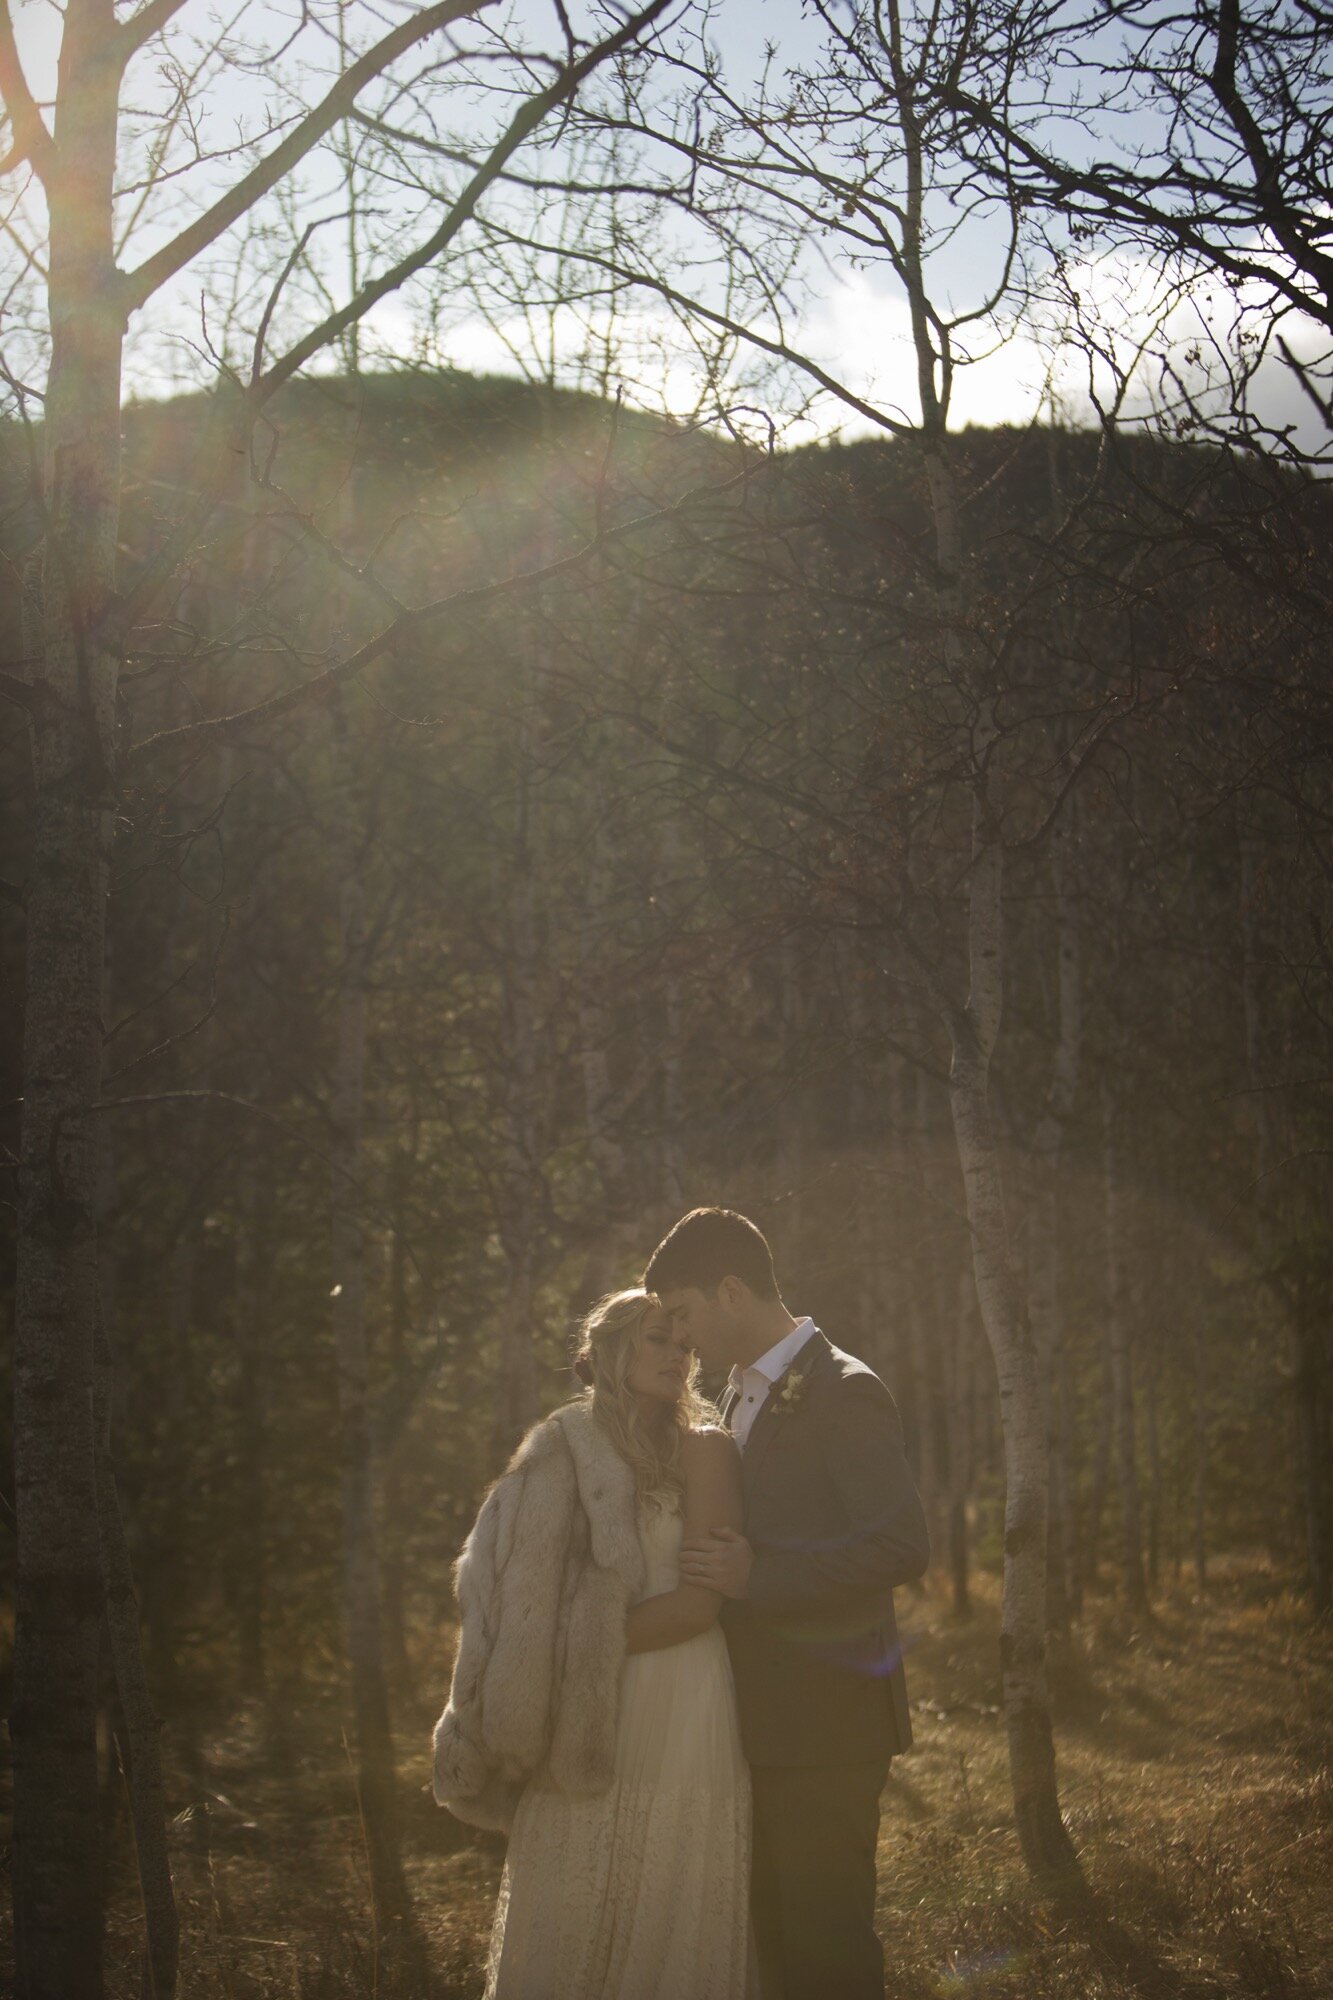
column 395, row 1560
column 961, row 1443
column 165, row 1570
column 1045, row 1287
column 58, row 1607
column 376, row 1778
column 675, row 1037
column 1305, row 1362
column 606, row 1147
column 1119, row 1318
column 251, row 1407
column 1059, row 1585
column 794, row 1155
column 1311, row 1391
column 1154, row 1471
column 1101, row 1460
column 139, row 1726
column 917, row 1342
column 1045, row 1842
column 605, row 1143
column 1073, row 1557
column 135, row 1726
column 920, row 1334
column 1200, row 1456
column 516, row 1405
column 873, row 1321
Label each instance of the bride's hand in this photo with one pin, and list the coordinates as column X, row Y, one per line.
column 718, row 1561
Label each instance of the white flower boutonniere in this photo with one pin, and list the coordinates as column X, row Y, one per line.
column 789, row 1392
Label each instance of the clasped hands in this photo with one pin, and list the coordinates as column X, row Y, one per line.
column 719, row 1560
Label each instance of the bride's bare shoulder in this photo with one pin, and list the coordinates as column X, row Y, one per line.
column 709, row 1443
column 711, row 1466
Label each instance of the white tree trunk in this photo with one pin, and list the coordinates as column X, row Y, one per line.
column 973, row 1029
column 1041, row 1830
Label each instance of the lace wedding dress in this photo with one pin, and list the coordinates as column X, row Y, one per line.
column 643, row 1892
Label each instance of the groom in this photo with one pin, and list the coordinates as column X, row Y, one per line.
column 832, row 1523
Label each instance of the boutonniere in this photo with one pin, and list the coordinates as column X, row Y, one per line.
column 789, row 1392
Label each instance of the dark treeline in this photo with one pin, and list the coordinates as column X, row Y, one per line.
column 432, row 995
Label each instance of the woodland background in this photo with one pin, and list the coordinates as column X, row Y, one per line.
column 516, row 814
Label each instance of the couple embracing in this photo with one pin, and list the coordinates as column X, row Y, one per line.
column 678, row 1684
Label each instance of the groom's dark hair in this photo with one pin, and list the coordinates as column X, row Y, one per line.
column 708, row 1245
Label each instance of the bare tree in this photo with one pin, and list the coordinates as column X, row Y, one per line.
column 85, row 616
column 1202, row 152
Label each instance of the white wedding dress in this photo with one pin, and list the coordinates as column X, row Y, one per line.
column 641, row 1893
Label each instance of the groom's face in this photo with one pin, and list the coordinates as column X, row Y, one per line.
column 706, row 1322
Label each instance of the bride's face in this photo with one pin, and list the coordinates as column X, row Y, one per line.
column 661, row 1364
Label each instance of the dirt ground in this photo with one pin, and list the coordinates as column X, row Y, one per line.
column 1195, row 1768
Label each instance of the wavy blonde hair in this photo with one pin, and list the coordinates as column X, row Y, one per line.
column 607, row 1344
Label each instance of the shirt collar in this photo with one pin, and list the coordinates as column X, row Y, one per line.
column 778, row 1358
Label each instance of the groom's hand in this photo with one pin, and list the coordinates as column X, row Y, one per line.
column 718, row 1561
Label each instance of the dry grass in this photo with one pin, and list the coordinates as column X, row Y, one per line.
column 1195, row 1772
column 1195, row 1768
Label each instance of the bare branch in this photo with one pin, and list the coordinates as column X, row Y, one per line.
column 319, row 685
column 32, row 141
column 694, row 308
column 138, row 286
column 150, row 20
column 521, row 127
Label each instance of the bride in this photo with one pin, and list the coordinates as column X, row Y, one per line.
column 592, row 1713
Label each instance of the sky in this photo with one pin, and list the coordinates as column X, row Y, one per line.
column 854, row 321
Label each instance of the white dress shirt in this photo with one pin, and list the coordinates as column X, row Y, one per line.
column 752, row 1384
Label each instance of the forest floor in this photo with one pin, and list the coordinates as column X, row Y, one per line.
column 1196, row 1767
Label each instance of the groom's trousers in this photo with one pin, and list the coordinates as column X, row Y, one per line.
column 813, row 1888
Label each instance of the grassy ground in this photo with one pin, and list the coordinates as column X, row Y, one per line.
column 1196, row 1772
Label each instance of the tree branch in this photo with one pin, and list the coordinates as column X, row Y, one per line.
column 32, row 141
column 141, row 27
column 412, row 621
column 138, row 286
column 20, row 692
column 780, row 349
column 520, row 128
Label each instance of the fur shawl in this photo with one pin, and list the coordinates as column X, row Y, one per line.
column 543, row 1582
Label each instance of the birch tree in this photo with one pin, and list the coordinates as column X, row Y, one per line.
column 1185, row 272
column 853, row 153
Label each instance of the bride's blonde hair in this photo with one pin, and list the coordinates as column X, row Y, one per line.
column 607, row 1342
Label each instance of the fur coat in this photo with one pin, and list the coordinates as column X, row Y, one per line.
column 543, row 1582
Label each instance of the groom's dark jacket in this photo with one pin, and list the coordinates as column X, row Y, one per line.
column 835, row 1521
